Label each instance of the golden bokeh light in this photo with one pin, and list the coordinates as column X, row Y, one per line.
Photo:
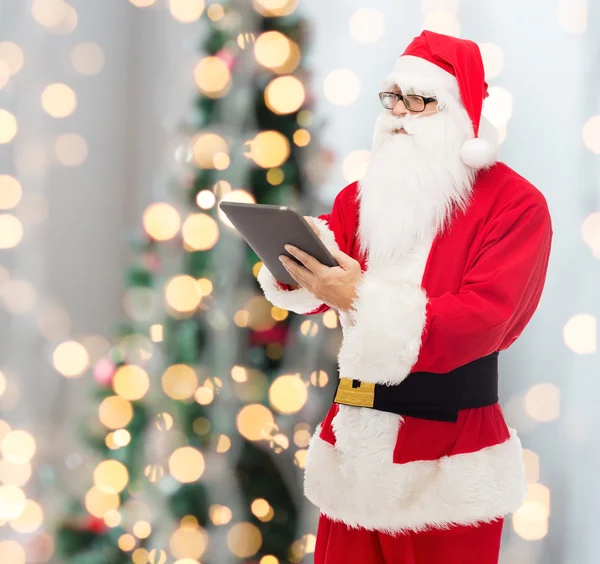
column 68, row 23
column 300, row 458
column 493, row 59
column 179, row 381
column 301, row 137
column 71, row 359
column 142, row 3
column 542, row 402
column 221, row 188
column 498, row 107
column 49, row 13
column 241, row 196
column 131, row 382
column 87, row 58
column 140, row 556
column 240, row 318
column 142, row 529
column 260, row 507
column 244, row 40
column 319, row 378
column 14, row 474
column 269, row 559
column 186, row 11
column 115, row 412
column 182, row 293
column 367, row 25
column 126, row 542
column 275, row 8
column 206, row 148
column 288, row 393
column 4, row 74
column 71, row 149
column 284, row 95
column 530, row 521
column 99, row 503
column 111, row 476
column 532, row 466
column 279, row 442
column 212, row 77
column 204, row 395
column 539, row 493
column 223, row 444
column 12, row 502
column 442, row 22
column 122, row 437
column 206, row 199
column 302, row 435
column 239, row 374
column 275, row 177
column 200, row 232
column 355, row 165
column 11, row 551
column 219, row 514
column 164, row 421
column 8, row 126
column 156, row 333
column 201, row 426
column 59, row 100
column 18, row 447
column 154, row 472
column 309, row 328
column 255, row 422
column 580, row 334
column 572, row 15
column 30, row 519
column 157, row 556
column 11, row 230
column 215, row 12
column 186, row 464
column 330, row 319
column 188, row 542
column 244, row 539
column 279, row 314
column 268, row 149
column 161, row 221
column 259, row 314
column 591, row 134
column 341, row 87
column 12, row 55
column 272, row 49
column 2, row 387
column 4, row 429
column 292, row 62
column 206, row 286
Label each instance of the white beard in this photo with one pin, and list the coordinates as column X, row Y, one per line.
column 413, row 182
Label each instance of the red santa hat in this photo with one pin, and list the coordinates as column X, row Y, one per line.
column 447, row 67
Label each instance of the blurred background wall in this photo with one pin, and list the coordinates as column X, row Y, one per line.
column 87, row 177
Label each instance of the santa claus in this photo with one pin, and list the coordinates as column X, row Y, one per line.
column 442, row 253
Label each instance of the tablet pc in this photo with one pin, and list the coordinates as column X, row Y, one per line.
column 267, row 228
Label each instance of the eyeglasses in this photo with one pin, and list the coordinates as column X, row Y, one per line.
column 413, row 102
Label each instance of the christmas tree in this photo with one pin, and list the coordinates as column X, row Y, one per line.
column 199, row 433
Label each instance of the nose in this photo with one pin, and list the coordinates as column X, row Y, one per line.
column 400, row 109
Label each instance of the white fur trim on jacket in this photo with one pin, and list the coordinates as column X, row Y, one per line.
column 382, row 338
column 364, row 488
column 300, row 300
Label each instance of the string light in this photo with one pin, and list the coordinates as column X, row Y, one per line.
column 11, row 231
column 269, row 149
column 12, row 55
column 284, row 95
column 367, row 25
column 572, row 15
column 244, row 540
column 179, row 381
column 161, row 221
column 59, row 100
column 188, row 542
column 580, row 333
column 200, row 232
column 71, row 359
column 493, row 59
column 71, row 149
column 186, row 11
column 341, row 87
column 288, row 393
column 591, row 134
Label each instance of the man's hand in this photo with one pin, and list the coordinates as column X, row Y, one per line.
column 334, row 286
column 310, row 221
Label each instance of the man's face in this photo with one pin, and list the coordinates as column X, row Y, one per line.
column 400, row 109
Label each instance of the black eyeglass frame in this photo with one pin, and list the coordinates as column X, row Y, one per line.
column 400, row 96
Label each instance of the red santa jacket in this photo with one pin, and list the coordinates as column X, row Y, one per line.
column 468, row 292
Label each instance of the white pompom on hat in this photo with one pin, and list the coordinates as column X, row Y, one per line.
column 434, row 62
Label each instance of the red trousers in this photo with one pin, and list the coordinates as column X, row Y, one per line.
column 339, row 544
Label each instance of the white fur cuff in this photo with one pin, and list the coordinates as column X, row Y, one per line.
column 383, row 341
column 300, row 300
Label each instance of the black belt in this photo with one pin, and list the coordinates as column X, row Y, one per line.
column 428, row 395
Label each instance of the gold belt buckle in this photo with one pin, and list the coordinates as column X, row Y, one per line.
column 363, row 396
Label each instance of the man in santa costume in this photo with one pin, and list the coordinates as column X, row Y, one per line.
column 443, row 254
